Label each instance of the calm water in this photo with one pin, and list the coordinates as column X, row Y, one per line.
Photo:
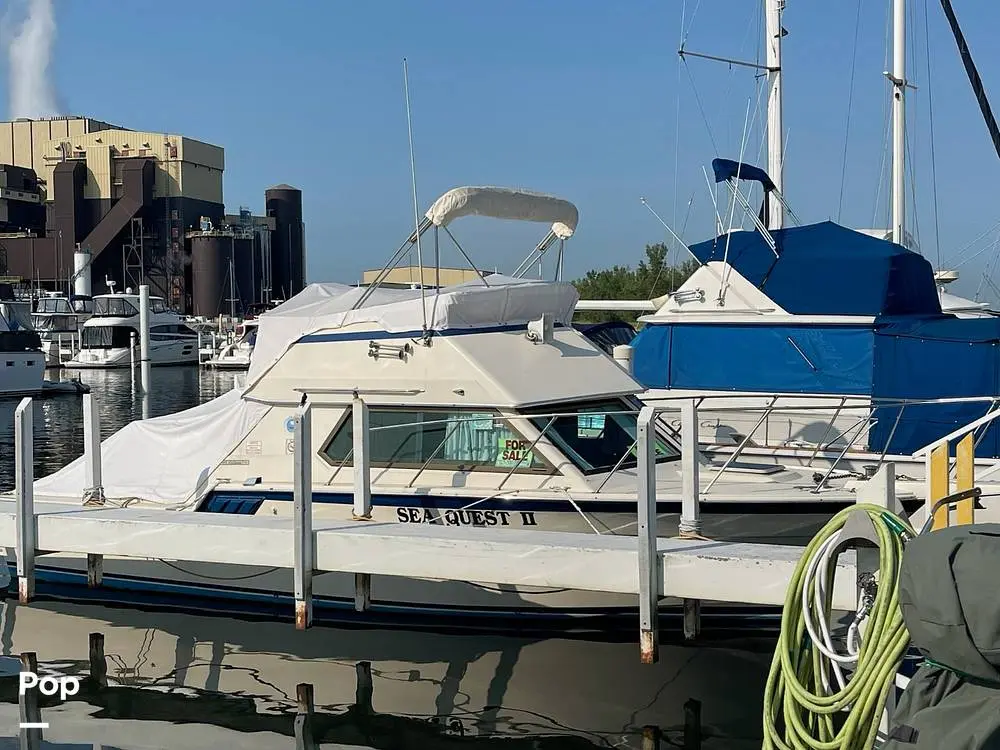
column 183, row 681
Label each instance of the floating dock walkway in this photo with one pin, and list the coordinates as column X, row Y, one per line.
column 648, row 567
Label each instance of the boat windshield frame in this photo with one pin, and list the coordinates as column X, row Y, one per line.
column 555, row 419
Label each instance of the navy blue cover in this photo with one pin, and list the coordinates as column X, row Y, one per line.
column 827, row 269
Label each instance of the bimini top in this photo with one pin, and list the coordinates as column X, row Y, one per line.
column 505, row 203
column 827, row 269
column 471, row 305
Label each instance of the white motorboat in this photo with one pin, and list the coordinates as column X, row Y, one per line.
column 22, row 362
column 107, row 338
column 486, row 409
column 236, row 356
column 57, row 320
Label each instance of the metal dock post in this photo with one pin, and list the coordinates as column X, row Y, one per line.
column 305, row 556
column 362, row 491
column 144, row 346
column 24, row 488
column 93, row 493
column 690, row 523
column 648, row 583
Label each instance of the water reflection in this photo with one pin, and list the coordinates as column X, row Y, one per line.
column 177, row 681
column 58, row 420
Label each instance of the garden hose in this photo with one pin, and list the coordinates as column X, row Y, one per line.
column 807, row 693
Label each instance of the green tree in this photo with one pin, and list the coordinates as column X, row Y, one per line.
column 650, row 279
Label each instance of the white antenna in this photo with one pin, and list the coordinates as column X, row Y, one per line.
column 413, row 176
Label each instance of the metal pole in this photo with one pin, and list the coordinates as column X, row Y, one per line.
column 690, row 523
column 362, row 492
column 898, row 79
column 775, row 135
column 649, row 584
column 24, row 488
column 303, row 535
column 144, row 346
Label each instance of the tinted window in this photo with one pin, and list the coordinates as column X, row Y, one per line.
column 106, row 337
column 597, row 435
column 114, row 307
column 457, row 440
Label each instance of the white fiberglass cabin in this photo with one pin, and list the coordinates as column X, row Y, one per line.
column 57, row 320
column 486, row 409
column 108, row 335
column 22, row 362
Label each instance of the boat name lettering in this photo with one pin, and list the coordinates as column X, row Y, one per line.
column 471, row 517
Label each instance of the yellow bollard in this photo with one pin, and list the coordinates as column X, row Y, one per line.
column 965, row 479
column 939, row 485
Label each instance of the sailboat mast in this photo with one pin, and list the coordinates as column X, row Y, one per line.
column 775, row 157
column 898, row 79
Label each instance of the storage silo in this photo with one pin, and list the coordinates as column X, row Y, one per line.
column 284, row 204
column 209, row 272
column 243, row 269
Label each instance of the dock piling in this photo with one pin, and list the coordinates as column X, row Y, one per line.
column 30, row 714
column 24, row 488
column 98, row 664
column 304, row 737
column 690, row 488
column 362, row 469
column 364, row 688
column 144, row 346
column 646, row 534
column 362, row 492
column 305, row 558
column 93, row 493
column 650, row 738
column 692, row 725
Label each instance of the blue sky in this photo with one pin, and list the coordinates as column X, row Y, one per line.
column 575, row 97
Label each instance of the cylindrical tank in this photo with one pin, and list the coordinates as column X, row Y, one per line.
column 81, row 273
column 243, row 272
column 284, row 204
column 209, row 272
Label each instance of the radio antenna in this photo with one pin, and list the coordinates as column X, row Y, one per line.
column 413, row 177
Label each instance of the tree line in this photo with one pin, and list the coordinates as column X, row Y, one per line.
column 651, row 278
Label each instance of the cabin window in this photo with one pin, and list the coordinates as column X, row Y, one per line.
column 456, row 440
column 156, row 305
column 597, row 435
column 114, row 307
column 106, row 337
column 170, row 332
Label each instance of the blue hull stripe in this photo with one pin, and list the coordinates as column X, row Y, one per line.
column 318, row 338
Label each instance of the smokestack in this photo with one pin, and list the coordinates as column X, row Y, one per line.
column 29, row 52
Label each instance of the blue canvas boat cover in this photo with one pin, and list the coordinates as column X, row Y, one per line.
column 827, row 269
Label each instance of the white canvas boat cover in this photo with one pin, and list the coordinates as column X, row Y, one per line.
column 318, row 307
column 166, row 459
column 505, row 203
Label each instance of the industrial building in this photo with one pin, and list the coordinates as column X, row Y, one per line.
column 83, row 202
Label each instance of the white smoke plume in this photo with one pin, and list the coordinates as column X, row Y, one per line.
column 29, row 45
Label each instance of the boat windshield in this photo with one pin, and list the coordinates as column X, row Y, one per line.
column 53, row 305
column 597, row 435
column 114, row 307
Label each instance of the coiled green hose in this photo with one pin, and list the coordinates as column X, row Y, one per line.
column 799, row 712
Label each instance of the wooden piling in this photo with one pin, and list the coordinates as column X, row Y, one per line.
column 365, row 689
column 304, row 736
column 29, row 712
column 98, row 664
column 692, row 725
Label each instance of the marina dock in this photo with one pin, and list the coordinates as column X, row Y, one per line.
column 652, row 569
